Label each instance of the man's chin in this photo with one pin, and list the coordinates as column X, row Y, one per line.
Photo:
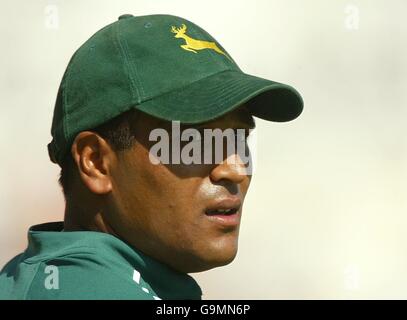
column 207, row 262
column 212, row 266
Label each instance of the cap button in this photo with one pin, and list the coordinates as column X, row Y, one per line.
column 125, row 16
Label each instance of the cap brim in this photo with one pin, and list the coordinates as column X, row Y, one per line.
column 213, row 96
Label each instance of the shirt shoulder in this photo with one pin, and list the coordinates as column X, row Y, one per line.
column 89, row 265
column 86, row 276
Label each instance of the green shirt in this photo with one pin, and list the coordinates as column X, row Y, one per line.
column 89, row 265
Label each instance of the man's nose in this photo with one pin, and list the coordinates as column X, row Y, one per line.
column 231, row 169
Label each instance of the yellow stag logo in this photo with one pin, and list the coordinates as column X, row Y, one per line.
column 192, row 44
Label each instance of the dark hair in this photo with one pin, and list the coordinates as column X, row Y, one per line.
column 119, row 133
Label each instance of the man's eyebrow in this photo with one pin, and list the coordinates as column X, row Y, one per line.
column 247, row 119
column 251, row 122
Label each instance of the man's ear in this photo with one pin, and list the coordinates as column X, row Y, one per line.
column 93, row 157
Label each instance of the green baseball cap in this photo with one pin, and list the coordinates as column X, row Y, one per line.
column 165, row 66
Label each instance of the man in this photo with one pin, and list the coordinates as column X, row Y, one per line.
column 136, row 225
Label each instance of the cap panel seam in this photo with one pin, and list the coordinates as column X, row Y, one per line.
column 139, row 84
column 123, row 48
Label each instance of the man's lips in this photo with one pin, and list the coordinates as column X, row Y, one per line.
column 226, row 206
column 225, row 212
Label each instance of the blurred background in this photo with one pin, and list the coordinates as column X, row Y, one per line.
column 326, row 215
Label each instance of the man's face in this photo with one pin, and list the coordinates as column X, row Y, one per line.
column 171, row 211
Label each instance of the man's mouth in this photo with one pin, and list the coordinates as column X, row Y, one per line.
column 226, row 212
